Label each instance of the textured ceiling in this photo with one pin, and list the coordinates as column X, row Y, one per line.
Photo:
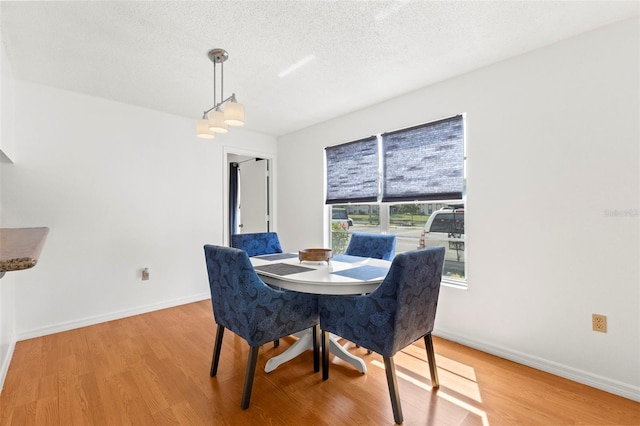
column 350, row 54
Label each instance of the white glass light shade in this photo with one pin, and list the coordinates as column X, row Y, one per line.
column 202, row 129
column 216, row 122
column 234, row 114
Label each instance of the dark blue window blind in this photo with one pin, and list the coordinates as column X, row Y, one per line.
column 424, row 162
column 352, row 172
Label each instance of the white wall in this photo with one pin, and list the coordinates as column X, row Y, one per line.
column 121, row 188
column 552, row 204
column 7, row 107
column 7, row 283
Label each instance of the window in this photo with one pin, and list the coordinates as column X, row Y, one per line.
column 415, row 225
column 420, row 193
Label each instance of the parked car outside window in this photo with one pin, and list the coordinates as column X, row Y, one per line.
column 339, row 214
column 445, row 227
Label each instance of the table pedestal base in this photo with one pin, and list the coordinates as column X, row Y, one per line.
column 305, row 342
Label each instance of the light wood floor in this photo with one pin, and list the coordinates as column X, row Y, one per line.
column 154, row 369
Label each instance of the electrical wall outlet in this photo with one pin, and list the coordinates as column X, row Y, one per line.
column 599, row 323
column 145, row 274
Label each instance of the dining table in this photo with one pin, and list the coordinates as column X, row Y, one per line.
column 340, row 275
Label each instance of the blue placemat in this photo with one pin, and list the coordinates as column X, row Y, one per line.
column 346, row 258
column 277, row 256
column 282, row 269
column 366, row 272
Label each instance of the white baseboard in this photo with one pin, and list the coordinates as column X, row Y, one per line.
column 6, row 363
column 84, row 322
column 599, row 382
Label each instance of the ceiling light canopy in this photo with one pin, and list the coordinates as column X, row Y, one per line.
column 227, row 112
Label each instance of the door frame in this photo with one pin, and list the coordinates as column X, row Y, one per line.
column 231, row 150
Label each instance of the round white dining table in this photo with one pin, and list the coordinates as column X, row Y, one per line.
column 342, row 275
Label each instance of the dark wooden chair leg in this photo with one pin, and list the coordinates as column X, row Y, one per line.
column 216, row 351
column 325, row 355
column 368, row 350
column 316, row 350
column 248, row 377
column 431, row 357
column 390, row 369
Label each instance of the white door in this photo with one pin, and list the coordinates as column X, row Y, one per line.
column 254, row 196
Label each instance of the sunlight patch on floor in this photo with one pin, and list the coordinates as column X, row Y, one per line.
column 458, row 383
column 453, row 375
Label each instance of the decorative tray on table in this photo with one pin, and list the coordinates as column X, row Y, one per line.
column 315, row 255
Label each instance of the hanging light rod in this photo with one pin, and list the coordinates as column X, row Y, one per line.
column 217, row 119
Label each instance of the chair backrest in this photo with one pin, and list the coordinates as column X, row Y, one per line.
column 233, row 283
column 258, row 243
column 379, row 246
column 244, row 304
column 409, row 295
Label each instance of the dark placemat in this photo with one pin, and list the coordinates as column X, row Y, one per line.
column 277, row 256
column 366, row 272
column 282, row 269
column 346, row 258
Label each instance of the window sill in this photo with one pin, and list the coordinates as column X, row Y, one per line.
column 455, row 283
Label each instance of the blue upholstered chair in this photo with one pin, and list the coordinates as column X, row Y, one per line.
column 379, row 246
column 257, row 244
column 399, row 312
column 248, row 307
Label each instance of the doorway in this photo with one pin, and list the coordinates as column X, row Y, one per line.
column 248, row 194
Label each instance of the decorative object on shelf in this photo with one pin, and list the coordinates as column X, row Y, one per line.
column 218, row 119
column 315, row 255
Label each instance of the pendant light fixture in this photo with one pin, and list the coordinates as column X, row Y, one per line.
column 227, row 112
